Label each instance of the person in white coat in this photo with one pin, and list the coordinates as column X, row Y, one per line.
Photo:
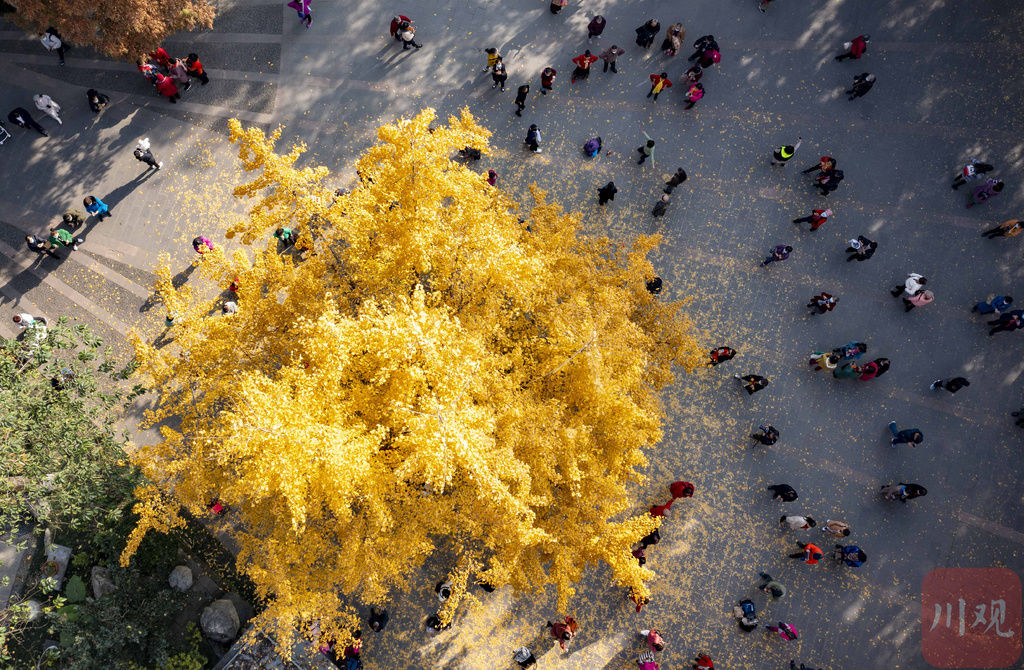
column 46, row 105
column 51, row 40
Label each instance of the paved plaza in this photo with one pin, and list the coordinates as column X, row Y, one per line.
column 947, row 89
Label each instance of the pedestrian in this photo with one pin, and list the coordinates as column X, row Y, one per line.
column 142, row 153
column 20, row 117
column 492, row 57
column 766, row 435
column 763, row 5
column 533, row 138
column 165, row 86
column 862, row 83
column 408, row 37
column 822, row 303
column 557, row 5
column 46, row 105
column 646, row 33
column 828, row 181
column 817, row 218
column 661, row 206
column 606, row 193
column 195, row 69
column 752, row 383
column 851, row 349
column 520, row 101
column 202, row 244
column 971, row 171
column 659, row 82
column 148, row 70
column 869, row 371
column 903, row 491
column 703, row 662
column 825, row 163
column 721, row 355
column 650, row 539
column 746, row 615
column 703, row 50
column 1008, row 228
column 304, row 9
column 398, row 23
column 850, row 555
column 52, row 41
column 378, row 619
column 583, row 63
column 919, row 299
column 953, row 385
column 997, row 304
column 662, row 510
column 911, row 436
column 855, row 48
column 848, row 370
column 96, row 207
column 913, row 284
column 809, row 553
column 563, row 632
column 654, row 285
column 39, row 246
column 860, row 249
column 692, row 76
column 797, row 522
column 286, row 236
column 162, row 58
column 990, row 189
column 592, row 147
column 179, row 73
column 779, row 253
column 675, row 180
column 595, row 28
column 547, row 79
column 786, row 631
column 609, row 56
column 681, row 489
column 836, row 528
column 646, row 661
column 25, row 321
column 771, row 586
column 499, row 75
column 783, row 492
column 97, row 100
column 693, row 94
column 782, row 155
column 1009, row 321
column 647, row 150
column 653, row 639
column 492, row 177
column 673, row 39
column 443, row 589
column 63, row 238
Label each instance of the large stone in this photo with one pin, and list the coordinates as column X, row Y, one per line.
column 101, row 582
column 181, row 578
column 219, row 621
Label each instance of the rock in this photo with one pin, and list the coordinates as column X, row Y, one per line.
column 102, row 584
column 219, row 621
column 181, row 578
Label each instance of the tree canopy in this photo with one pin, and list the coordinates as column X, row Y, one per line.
column 430, row 369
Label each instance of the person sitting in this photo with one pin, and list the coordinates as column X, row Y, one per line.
column 592, row 147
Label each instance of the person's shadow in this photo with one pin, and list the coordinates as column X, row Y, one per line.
column 113, row 198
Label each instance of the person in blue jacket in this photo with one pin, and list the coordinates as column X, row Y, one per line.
column 96, row 207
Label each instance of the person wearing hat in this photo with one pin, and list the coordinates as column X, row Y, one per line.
column 782, row 155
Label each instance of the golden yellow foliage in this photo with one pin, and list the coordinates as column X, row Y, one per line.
column 432, row 373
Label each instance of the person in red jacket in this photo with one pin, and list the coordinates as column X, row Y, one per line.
column 161, row 57
column 858, row 45
column 809, row 552
column 563, row 632
column 583, row 63
column 720, row 355
column 817, row 218
column 703, row 662
column 195, row 69
column 682, row 490
column 547, row 79
column 822, row 303
column 166, row 87
column 662, row 510
column 396, row 22
column 659, row 82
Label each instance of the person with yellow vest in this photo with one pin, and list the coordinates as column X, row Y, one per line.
column 784, row 153
column 659, row 82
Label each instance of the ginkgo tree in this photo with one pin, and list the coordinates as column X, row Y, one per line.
column 430, row 368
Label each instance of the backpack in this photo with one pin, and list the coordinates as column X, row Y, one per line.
column 716, row 57
column 748, row 609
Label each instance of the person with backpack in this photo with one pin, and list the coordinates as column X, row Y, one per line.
column 659, row 82
column 533, row 138
column 971, row 171
column 746, row 615
column 862, row 83
column 990, row 189
column 646, row 33
column 766, row 435
column 592, row 147
column 606, row 193
column 583, row 63
column 903, row 491
column 721, row 355
column 144, row 155
column 809, row 553
column 850, row 555
column 547, row 79
column 855, row 48
column 695, row 93
column 702, row 45
column 520, row 101
column 782, row 155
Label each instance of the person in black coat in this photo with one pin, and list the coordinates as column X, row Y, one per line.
column 646, row 33
column 97, row 100
column 606, row 193
column 862, row 83
column 19, row 116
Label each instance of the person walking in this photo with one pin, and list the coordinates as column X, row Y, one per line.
column 692, row 76
column 610, row 55
column 96, row 207
column 179, row 73
column 809, row 552
column 60, row 237
column 919, row 299
column 563, row 632
column 20, row 117
column 681, row 489
column 675, row 180
column 201, row 244
column 595, row 28
column 1008, row 228
column 195, row 69
column 524, row 657
column 533, row 138
column 52, row 41
column 782, row 155
column 647, row 150
column 661, row 206
column 860, row 249
column 797, row 522
column 703, row 662
column 785, row 630
column 398, row 23
column 583, row 63
column 836, row 528
column 766, row 435
column 862, row 83
column 46, row 105
column 953, row 385
column 779, row 253
column 971, row 171
column 911, row 436
column 97, row 100
column 547, row 79
column 702, row 46
column 165, row 86
column 304, row 8
column 499, row 76
column 557, row 5
column 606, row 193
column 646, row 33
column 39, row 246
column 520, row 101
column 822, row 303
column 855, row 48
column 828, row 181
column 997, row 304
column 659, row 82
column 746, row 615
column 1009, row 322
column 913, row 284
column 24, row 321
column 850, row 555
column 868, row 371
column 752, row 383
column 821, row 360
column 903, row 491
column 673, row 39
column 142, row 153
column 721, row 355
column 848, row 370
column 492, row 58
column 771, row 586
column 654, row 640
column 817, row 218
column 883, row 366
column 693, row 94
column 492, row 177
column 990, row 189
column 783, row 492
column 851, row 350
column 825, row 163
column 408, row 37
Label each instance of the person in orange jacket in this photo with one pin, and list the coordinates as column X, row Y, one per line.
column 659, row 82
column 810, row 552
column 583, row 63
column 195, row 69
column 162, row 58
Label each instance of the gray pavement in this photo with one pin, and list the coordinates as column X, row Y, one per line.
column 946, row 90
